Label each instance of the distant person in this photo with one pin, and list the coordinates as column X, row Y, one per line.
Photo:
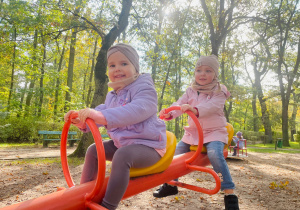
column 130, row 117
column 238, row 144
column 206, row 99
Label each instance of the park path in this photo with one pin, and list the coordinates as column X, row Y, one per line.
column 29, row 153
column 40, row 152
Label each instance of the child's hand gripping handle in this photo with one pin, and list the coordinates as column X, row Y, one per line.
column 199, row 129
column 164, row 113
column 74, row 115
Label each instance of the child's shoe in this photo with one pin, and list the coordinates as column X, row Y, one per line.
column 165, row 190
column 231, row 202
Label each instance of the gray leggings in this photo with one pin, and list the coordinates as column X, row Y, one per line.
column 124, row 158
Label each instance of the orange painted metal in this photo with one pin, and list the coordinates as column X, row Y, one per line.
column 200, row 189
column 78, row 197
column 100, row 153
column 194, row 157
column 74, row 198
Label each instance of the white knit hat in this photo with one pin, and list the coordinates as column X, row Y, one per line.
column 211, row 61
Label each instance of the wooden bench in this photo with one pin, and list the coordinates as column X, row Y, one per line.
column 104, row 136
column 56, row 136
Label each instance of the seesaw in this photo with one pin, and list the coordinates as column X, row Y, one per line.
column 88, row 195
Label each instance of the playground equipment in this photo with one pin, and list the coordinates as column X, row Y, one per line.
column 243, row 149
column 88, row 195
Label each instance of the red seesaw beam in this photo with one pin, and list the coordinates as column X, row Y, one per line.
column 78, row 197
column 74, row 198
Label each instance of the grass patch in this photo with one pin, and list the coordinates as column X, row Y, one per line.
column 270, row 148
column 27, row 145
column 17, row 145
column 293, row 145
column 72, row 161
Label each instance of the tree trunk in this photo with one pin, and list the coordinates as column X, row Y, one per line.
column 164, row 85
column 91, row 75
column 265, row 116
column 284, row 29
column 70, row 70
column 42, row 79
column 227, row 110
column 218, row 34
column 285, row 97
column 178, row 88
column 176, row 46
column 101, row 78
column 245, row 117
column 161, row 15
column 57, row 85
column 254, row 110
column 294, row 115
column 23, row 91
column 32, row 80
column 154, row 61
column 11, row 90
column 85, row 81
column 285, row 124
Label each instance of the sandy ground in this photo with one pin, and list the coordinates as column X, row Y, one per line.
column 263, row 181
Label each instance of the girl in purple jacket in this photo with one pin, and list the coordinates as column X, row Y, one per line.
column 138, row 137
column 206, row 99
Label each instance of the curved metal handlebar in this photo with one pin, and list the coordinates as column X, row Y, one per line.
column 100, row 154
column 196, row 154
column 199, row 129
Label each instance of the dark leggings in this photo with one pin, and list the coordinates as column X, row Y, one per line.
column 124, row 158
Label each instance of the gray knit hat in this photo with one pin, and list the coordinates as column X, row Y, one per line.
column 239, row 134
column 128, row 51
column 211, row 61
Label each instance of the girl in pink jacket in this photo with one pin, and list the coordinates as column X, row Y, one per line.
column 205, row 98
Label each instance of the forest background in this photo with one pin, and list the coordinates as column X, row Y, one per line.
column 53, row 59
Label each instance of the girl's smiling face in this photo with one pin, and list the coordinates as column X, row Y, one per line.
column 204, row 75
column 119, row 67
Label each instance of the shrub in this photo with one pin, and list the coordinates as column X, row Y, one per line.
column 297, row 137
column 252, row 135
column 18, row 130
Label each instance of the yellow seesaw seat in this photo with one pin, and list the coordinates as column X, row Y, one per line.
column 230, row 131
column 166, row 160
column 162, row 164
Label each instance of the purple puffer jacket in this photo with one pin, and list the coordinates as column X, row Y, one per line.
column 131, row 115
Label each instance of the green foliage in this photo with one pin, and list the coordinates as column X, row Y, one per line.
column 297, row 137
column 20, row 130
column 252, row 135
column 169, row 35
